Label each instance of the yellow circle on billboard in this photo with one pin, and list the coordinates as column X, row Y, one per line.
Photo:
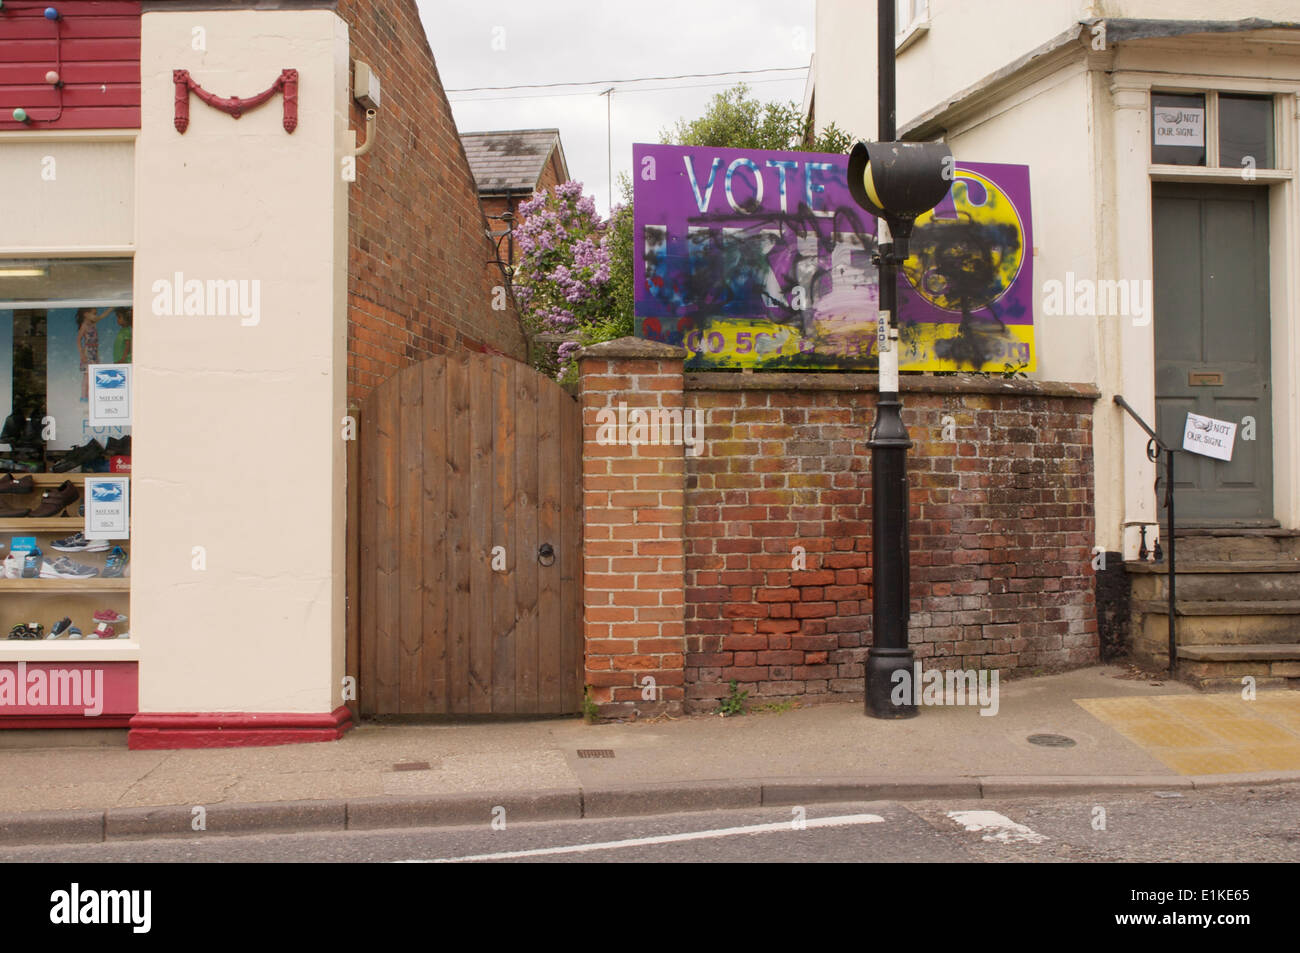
column 965, row 261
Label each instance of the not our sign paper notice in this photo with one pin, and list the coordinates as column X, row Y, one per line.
column 1209, row 437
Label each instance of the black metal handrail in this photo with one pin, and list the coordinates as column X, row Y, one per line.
column 1155, row 447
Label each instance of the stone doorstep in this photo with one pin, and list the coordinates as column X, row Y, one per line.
column 1268, row 652
column 1214, row 566
column 1224, row 607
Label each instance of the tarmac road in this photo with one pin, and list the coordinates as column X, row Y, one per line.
column 1230, row 825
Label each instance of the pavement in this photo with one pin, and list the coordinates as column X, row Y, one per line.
column 1128, row 734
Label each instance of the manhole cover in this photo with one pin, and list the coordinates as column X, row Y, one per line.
column 411, row 766
column 1051, row 741
column 595, row 752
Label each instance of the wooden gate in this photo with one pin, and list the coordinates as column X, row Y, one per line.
column 469, row 474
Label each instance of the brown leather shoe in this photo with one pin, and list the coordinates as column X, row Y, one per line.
column 53, row 502
column 9, row 485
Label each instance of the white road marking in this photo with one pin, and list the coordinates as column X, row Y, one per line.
column 843, row 820
column 1007, row 830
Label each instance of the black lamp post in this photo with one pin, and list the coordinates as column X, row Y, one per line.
column 896, row 182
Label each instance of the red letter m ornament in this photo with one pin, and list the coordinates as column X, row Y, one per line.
column 234, row 105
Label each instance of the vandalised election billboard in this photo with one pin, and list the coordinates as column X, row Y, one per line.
column 759, row 259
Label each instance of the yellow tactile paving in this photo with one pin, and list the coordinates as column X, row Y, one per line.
column 1209, row 734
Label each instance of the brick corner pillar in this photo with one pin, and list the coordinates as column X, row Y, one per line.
column 634, row 541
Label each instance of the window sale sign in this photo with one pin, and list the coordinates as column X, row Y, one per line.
column 751, row 258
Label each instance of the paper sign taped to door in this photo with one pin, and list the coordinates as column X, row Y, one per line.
column 1209, row 437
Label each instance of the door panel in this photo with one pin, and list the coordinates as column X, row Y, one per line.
column 1212, row 317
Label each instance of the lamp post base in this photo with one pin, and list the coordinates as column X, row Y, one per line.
column 883, row 688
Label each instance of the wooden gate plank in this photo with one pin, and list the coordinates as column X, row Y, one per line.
column 481, row 636
column 459, row 615
column 387, row 581
column 351, row 578
column 526, row 541
column 433, row 660
column 571, row 637
column 411, row 544
column 549, row 613
column 503, row 518
column 367, row 532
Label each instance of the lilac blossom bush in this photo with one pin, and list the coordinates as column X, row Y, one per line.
column 562, row 283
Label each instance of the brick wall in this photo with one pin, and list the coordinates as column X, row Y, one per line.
column 633, row 539
column 1001, row 525
column 419, row 280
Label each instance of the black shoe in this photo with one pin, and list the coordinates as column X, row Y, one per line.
column 118, row 447
column 80, row 457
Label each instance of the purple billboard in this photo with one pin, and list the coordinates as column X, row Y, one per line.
column 762, row 259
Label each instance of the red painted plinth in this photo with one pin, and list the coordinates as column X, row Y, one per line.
column 68, row 694
column 152, row 731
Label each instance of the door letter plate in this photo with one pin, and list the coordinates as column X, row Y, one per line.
column 1205, row 378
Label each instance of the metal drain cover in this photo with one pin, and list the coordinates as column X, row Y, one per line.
column 411, row 766
column 595, row 752
column 1051, row 741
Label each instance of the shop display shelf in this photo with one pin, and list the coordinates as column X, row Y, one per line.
column 96, row 584
column 51, row 524
column 69, row 650
column 56, row 479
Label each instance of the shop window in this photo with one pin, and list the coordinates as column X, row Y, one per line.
column 57, row 318
column 1178, row 129
column 1245, row 131
column 65, row 448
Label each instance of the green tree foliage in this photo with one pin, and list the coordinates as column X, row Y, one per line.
column 736, row 120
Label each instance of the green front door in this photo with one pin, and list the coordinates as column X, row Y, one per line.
column 1212, row 345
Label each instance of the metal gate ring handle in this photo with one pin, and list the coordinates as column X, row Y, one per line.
column 546, row 554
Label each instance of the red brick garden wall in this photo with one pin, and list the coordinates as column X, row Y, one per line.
column 1001, row 524
column 419, row 281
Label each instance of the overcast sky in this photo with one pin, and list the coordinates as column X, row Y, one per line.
column 525, row 42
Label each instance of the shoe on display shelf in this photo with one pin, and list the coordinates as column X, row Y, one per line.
column 105, row 631
column 55, row 501
column 13, row 565
column 9, row 485
column 65, row 568
column 18, row 513
column 77, row 543
column 109, row 615
column 115, row 566
column 33, row 565
column 60, row 628
column 75, row 633
column 85, row 455
column 30, row 630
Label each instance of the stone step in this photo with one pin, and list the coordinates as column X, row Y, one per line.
column 1224, row 666
column 1236, row 544
column 1205, row 566
column 1219, row 607
column 1245, row 627
column 1218, row 581
column 1266, row 652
